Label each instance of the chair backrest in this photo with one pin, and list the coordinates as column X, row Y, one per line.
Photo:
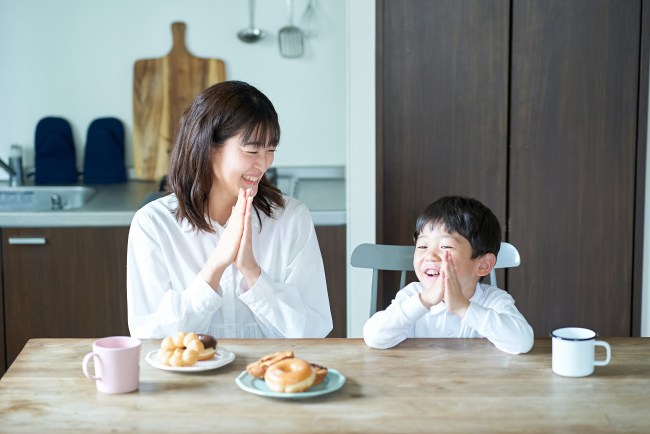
column 508, row 257
column 400, row 258
column 382, row 257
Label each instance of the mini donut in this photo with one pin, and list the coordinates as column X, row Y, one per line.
column 164, row 355
column 190, row 357
column 167, row 344
column 185, row 349
column 176, row 360
column 258, row 368
column 178, row 339
column 290, row 376
column 195, row 345
column 189, row 338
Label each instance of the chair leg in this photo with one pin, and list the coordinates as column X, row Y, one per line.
column 373, row 293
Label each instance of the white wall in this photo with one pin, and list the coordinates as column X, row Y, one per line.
column 361, row 155
column 74, row 59
column 645, row 290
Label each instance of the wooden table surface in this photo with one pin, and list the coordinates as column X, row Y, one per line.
column 422, row 385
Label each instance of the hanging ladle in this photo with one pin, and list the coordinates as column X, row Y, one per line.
column 252, row 33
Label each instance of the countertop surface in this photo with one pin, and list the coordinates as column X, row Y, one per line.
column 421, row 385
column 115, row 205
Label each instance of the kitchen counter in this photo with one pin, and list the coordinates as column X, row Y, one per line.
column 115, row 205
column 112, row 205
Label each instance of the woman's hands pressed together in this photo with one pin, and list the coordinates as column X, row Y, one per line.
column 245, row 259
column 235, row 245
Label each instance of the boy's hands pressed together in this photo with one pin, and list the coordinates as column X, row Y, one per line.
column 454, row 298
column 447, row 288
column 433, row 294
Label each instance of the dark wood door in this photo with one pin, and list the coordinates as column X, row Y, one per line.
column 74, row 285
column 442, row 100
column 538, row 108
column 575, row 88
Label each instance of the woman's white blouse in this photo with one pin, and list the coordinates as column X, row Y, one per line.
column 166, row 293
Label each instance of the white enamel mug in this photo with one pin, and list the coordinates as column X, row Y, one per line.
column 574, row 352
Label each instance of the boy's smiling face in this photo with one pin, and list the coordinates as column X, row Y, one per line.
column 430, row 248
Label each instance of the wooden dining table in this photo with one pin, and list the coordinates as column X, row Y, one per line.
column 421, row 385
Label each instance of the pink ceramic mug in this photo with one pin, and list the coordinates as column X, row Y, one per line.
column 117, row 364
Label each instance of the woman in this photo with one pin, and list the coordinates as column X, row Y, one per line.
column 225, row 253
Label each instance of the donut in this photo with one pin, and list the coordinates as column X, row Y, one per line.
column 178, row 339
column 209, row 347
column 185, row 349
column 258, row 368
column 321, row 373
column 208, row 341
column 290, row 376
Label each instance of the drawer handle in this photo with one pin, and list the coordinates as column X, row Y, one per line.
column 36, row 240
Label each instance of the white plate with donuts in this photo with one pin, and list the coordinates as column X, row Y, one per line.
column 332, row 382
column 221, row 358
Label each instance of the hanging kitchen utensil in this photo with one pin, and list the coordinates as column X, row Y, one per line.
column 290, row 37
column 308, row 21
column 251, row 34
column 162, row 89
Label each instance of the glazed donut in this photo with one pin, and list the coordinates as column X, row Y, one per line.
column 290, row 376
column 320, row 372
column 258, row 369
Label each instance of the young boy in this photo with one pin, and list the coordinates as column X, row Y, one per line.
column 457, row 240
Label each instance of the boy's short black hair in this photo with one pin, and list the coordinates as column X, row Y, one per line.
column 466, row 216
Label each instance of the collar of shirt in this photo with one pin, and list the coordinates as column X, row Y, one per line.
column 187, row 227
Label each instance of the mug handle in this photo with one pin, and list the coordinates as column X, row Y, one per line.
column 84, row 366
column 607, row 349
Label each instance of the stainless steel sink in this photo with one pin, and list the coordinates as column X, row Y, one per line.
column 44, row 198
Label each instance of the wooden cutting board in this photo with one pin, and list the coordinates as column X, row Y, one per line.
column 162, row 89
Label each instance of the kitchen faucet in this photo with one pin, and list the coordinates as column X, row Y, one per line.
column 15, row 166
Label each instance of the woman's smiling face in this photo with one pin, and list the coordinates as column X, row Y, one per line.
column 240, row 165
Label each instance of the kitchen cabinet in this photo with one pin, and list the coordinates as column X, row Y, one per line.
column 63, row 282
column 538, row 108
column 331, row 240
column 71, row 282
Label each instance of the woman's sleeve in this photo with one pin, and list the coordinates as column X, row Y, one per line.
column 155, row 309
column 298, row 306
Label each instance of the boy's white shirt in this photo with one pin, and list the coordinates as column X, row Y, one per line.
column 491, row 314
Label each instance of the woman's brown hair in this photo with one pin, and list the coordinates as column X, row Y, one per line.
column 220, row 112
